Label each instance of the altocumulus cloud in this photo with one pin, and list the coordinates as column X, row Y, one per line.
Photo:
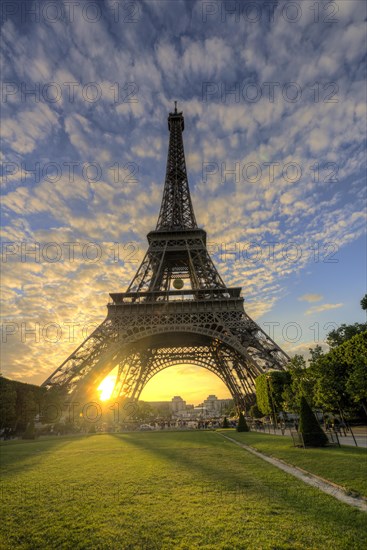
column 283, row 168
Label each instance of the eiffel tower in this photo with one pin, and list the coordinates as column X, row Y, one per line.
column 176, row 310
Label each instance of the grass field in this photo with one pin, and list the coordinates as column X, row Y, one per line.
column 346, row 466
column 173, row 490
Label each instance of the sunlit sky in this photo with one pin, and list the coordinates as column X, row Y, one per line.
column 105, row 80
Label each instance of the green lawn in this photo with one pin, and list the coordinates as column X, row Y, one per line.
column 346, row 466
column 175, row 490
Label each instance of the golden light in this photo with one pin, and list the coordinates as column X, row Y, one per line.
column 106, row 386
column 192, row 382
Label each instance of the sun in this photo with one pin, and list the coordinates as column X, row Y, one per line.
column 106, row 386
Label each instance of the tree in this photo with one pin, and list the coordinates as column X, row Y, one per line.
column 269, row 391
column 19, row 403
column 313, row 435
column 356, row 384
column 26, row 406
column 7, row 403
column 229, row 409
column 345, row 332
column 52, row 405
column 315, row 353
column 143, row 411
column 301, row 383
column 225, row 423
column 330, row 381
column 255, row 412
column 262, row 394
column 242, row 424
column 364, row 302
column 332, row 373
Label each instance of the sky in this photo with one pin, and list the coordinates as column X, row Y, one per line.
column 273, row 95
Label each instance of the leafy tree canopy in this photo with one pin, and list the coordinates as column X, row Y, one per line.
column 301, row 383
column 340, row 375
column 345, row 332
column 269, row 391
column 255, row 412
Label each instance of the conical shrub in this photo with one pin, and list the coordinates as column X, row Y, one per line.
column 225, row 423
column 312, row 433
column 242, row 424
column 30, row 432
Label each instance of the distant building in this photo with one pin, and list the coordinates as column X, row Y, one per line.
column 225, row 404
column 211, row 407
column 211, row 404
column 177, row 405
column 216, row 406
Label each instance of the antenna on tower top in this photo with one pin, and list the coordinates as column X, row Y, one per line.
column 175, row 107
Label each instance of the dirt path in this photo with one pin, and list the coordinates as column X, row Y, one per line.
column 311, row 479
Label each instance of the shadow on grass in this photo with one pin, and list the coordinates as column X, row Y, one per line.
column 20, row 455
column 168, row 466
column 278, row 490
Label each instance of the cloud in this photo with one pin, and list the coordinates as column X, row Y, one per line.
column 310, row 297
column 325, row 205
column 304, row 348
column 321, row 308
column 29, row 128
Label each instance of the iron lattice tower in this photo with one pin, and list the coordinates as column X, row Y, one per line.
column 177, row 309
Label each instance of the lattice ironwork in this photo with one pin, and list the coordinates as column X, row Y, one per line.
column 176, row 210
column 152, row 325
